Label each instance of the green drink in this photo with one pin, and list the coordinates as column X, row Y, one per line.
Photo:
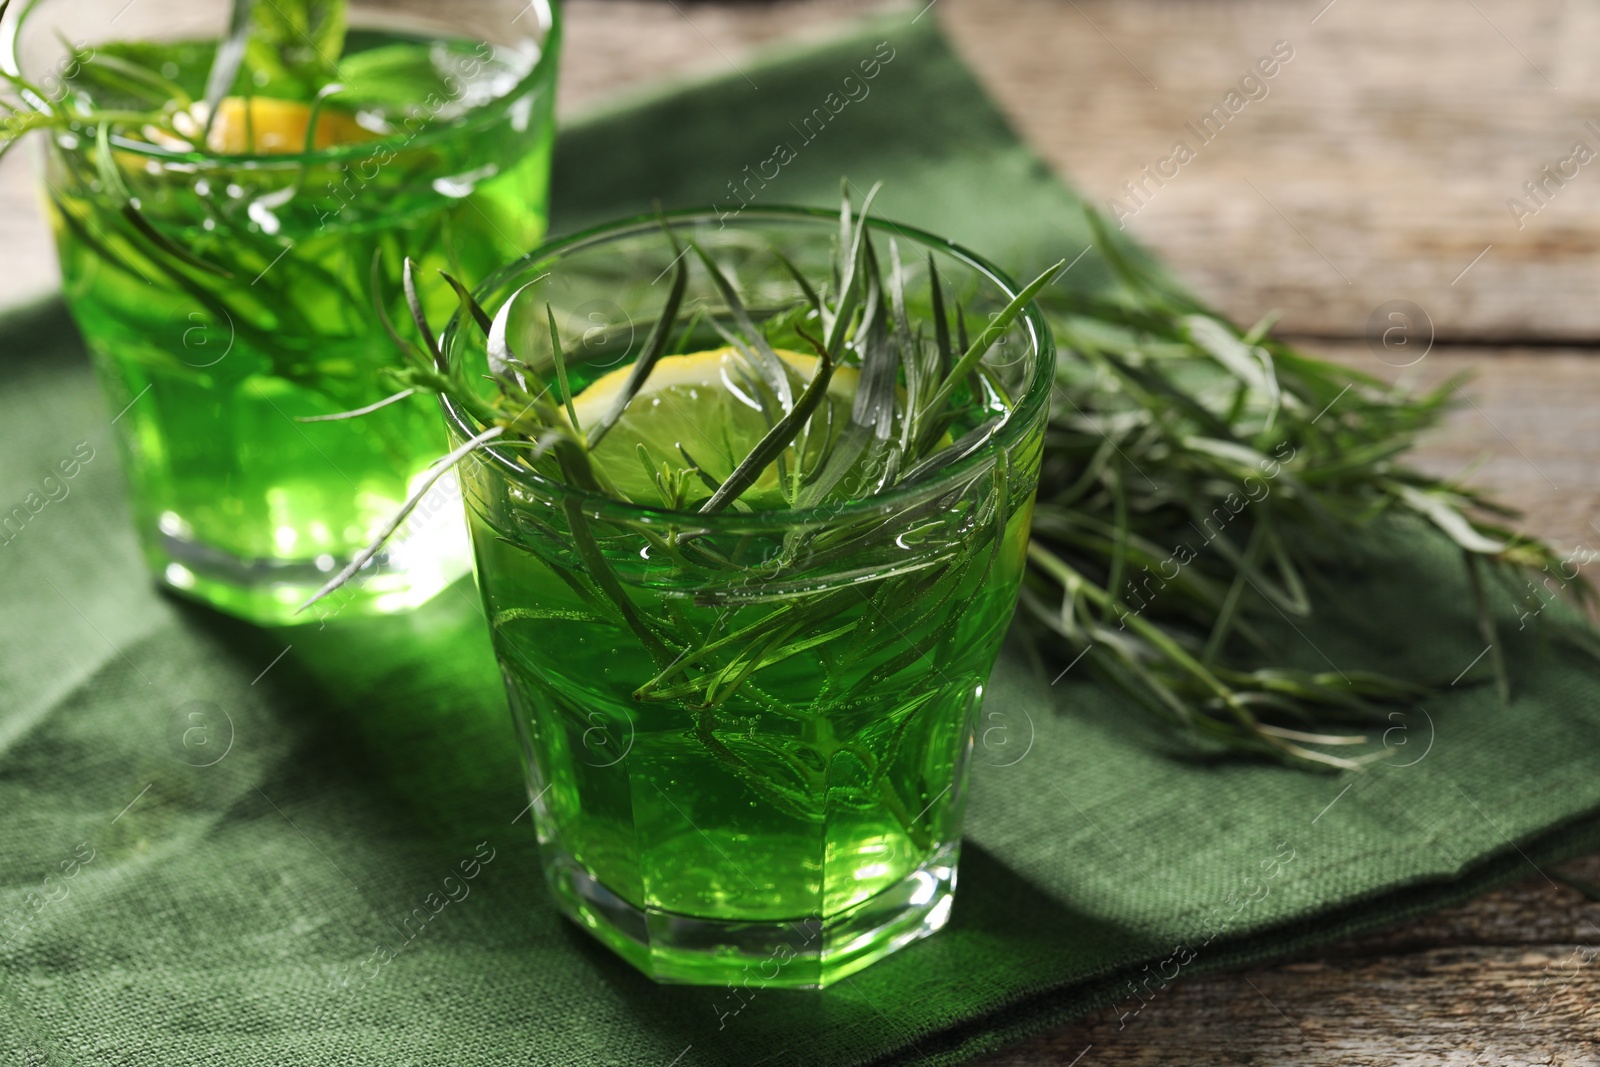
column 747, row 727
column 232, row 310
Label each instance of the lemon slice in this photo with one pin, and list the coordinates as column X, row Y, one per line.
column 276, row 127
column 701, row 404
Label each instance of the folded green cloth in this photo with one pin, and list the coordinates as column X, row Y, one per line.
column 224, row 845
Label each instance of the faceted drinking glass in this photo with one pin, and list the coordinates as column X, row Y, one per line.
column 241, row 297
column 747, row 734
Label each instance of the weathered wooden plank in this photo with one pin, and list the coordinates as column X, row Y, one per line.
column 1511, row 978
column 1376, row 166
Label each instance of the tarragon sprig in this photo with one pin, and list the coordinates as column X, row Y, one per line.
column 901, row 384
column 1172, row 427
column 290, row 48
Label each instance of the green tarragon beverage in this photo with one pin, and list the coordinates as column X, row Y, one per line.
column 231, row 244
column 749, row 532
column 802, row 776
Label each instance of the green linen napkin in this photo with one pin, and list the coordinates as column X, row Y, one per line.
column 214, row 839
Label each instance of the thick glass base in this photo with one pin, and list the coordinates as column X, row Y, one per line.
column 269, row 592
column 802, row 953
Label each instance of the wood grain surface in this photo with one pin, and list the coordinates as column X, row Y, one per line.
column 1377, row 164
column 1509, row 979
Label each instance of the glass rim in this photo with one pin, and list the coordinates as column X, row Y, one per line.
column 543, row 69
column 1029, row 407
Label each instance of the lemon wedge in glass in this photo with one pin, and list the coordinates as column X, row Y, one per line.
column 706, row 405
column 260, row 125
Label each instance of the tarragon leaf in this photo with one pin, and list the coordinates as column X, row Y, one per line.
column 228, row 59
column 294, row 46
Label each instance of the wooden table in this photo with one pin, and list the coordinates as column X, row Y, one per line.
column 1379, row 165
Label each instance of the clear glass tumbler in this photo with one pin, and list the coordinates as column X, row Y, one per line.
column 759, row 777
column 229, row 285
